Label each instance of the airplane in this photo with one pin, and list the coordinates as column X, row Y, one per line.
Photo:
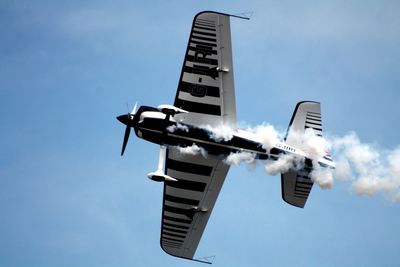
column 205, row 101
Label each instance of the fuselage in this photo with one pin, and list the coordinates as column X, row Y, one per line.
column 158, row 127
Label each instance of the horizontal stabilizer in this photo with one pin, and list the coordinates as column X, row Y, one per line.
column 296, row 186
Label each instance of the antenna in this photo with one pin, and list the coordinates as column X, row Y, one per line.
column 244, row 15
column 208, row 260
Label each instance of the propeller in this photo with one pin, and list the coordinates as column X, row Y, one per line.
column 126, row 137
column 127, row 120
column 134, row 109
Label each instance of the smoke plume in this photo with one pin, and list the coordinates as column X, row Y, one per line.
column 368, row 169
column 179, row 126
column 193, row 150
column 219, row 133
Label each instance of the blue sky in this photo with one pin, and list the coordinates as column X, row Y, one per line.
column 68, row 68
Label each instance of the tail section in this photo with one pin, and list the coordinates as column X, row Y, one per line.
column 297, row 184
column 306, row 115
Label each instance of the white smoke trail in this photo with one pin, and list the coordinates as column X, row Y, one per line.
column 368, row 169
column 237, row 158
column 267, row 135
column 220, row 133
column 193, row 150
column 177, row 126
column 282, row 165
column 315, row 146
column 322, row 176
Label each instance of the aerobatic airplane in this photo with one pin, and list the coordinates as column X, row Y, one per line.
column 205, row 99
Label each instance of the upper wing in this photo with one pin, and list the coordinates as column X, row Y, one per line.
column 206, row 87
column 297, row 184
column 188, row 202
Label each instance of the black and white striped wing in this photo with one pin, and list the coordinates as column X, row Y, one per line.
column 206, row 86
column 188, row 202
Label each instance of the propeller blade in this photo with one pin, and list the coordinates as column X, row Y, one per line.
column 134, row 108
column 126, row 137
